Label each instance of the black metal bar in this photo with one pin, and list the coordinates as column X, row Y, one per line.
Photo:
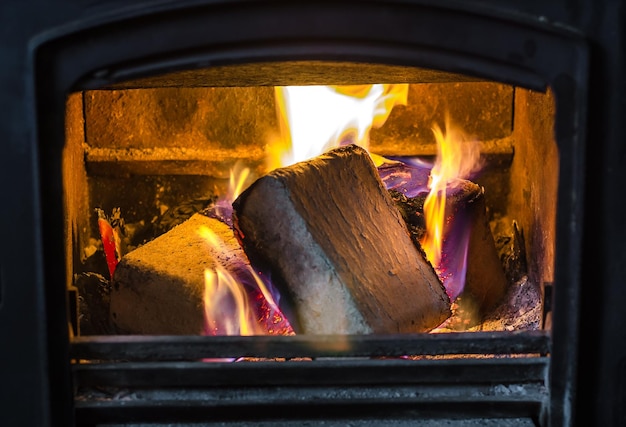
column 200, row 347
column 295, row 409
column 312, row 373
column 506, row 421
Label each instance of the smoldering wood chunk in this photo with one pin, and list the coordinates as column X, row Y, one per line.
column 158, row 288
column 338, row 248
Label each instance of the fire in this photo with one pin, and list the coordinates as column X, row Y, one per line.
column 457, row 158
column 220, row 286
column 240, row 305
column 314, row 119
column 237, row 183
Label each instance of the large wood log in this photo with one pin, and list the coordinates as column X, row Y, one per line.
column 159, row 287
column 338, row 249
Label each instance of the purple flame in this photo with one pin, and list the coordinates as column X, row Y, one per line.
column 410, row 177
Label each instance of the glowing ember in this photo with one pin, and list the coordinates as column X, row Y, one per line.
column 457, row 158
column 239, row 305
column 314, row 119
column 110, row 234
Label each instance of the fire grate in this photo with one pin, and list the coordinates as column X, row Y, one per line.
column 281, row 379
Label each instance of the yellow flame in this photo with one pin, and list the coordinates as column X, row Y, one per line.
column 222, row 289
column 457, row 158
column 218, row 286
column 314, row 119
column 237, row 181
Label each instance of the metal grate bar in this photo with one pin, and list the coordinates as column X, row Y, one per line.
column 326, row 411
column 154, row 348
column 322, row 372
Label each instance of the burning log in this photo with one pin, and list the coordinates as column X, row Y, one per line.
column 159, row 288
column 485, row 282
column 473, row 271
column 338, row 248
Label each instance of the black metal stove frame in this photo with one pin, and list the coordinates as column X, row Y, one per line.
column 107, row 43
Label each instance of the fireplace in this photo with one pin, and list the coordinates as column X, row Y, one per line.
column 520, row 81
column 161, row 154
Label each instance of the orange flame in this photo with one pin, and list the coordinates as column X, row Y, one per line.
column 457, row 158
column 227, row 308
column 314, row 119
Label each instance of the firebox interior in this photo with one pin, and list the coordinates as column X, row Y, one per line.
column 161, row 148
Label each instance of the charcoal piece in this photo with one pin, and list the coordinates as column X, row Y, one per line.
column 94, row 295
column 412, row 211
column 178, row 214
column 512, row 251
column 338, row 248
